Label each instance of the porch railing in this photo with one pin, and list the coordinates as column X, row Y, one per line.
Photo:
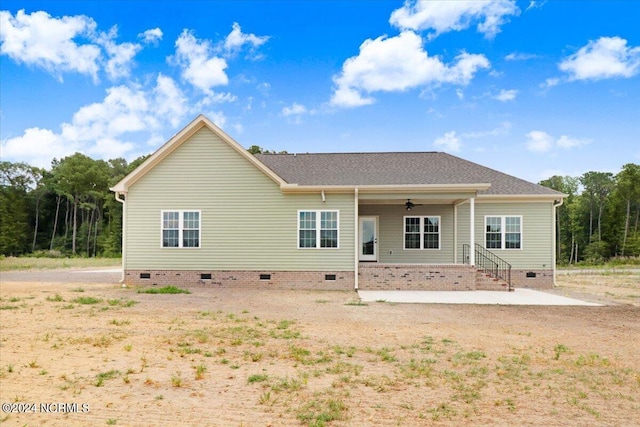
column 489, row 263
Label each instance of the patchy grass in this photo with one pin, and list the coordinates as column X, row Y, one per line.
column 619, row 286
column 164, row 290
column 37, row 263
column 284, row 370
column 87, row 300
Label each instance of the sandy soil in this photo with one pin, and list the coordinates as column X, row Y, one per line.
column 220, row 357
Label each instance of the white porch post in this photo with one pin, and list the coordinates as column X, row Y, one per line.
column 472, row 231
column 356, row 245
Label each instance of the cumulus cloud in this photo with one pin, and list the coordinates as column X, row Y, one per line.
column 397, row 64
column 295, row 110
column 506, row 95
column 448, row 142
column 541, row 142
column 445, row 16
column 607, row 57
column 50, row 43
column 237, row 39
column 67, row 44
column 102, row 129
column 518, row 56
column 120, row 55
column 151, row 36
column 200, row 67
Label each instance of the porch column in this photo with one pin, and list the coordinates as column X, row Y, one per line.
column 472, row 231
column 356, row 245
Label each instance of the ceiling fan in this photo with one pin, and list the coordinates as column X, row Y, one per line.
column 410, row 205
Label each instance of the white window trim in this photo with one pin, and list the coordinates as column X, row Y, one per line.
column 422, row 233
column 318, row 224
column 181, row 228
column 503, row 232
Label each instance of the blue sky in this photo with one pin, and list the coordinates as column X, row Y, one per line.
column 531, row 88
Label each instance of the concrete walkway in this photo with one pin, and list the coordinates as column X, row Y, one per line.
column 517, row 297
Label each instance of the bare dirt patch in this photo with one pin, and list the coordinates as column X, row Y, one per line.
column 220, row 357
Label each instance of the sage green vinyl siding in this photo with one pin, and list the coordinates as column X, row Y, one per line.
column 391, row 233
column 537, row 229
column 247, row 223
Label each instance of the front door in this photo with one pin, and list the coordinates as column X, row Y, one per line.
column 368, row 232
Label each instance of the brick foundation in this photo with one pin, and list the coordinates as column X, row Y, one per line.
column 315, row 280
column 371, row 276
column 416, row 277
column 543, row 279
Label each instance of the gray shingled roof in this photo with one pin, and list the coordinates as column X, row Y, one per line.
column 394, row 169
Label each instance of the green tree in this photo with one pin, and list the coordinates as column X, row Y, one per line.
column 628, row 193
column 15, row 182
column 81, row 179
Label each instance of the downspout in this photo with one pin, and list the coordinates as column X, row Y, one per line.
column 124, row 232
column 553, row 238
column 356, row 251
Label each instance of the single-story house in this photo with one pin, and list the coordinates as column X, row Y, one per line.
column 202, row 210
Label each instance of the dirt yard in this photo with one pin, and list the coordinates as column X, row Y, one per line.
column 97, row 354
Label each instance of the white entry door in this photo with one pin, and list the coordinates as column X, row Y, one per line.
column 368, row 232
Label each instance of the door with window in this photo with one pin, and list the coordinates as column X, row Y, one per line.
column 368, row 232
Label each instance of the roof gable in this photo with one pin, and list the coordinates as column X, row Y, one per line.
column 177, row 140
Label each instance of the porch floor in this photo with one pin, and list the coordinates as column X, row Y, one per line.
column 517, row 297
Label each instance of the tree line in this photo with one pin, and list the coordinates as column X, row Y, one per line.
column 600, row 216
column 69, row 210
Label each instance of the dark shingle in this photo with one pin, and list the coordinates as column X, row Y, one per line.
column 394, row 169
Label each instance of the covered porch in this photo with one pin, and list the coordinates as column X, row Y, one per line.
column 416, row 241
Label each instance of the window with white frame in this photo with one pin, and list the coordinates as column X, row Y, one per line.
column 180, row 229
column 503, row 232
column 318, row 229
column 422, row 232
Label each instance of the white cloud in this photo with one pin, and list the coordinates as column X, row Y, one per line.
column 120, row 55
column 151, row 36
column 295, row 110
column 460, row 94
column 607, row 57
column 397, row 64
column 237, row 39
column 444, row 16
column 199, row 66
column 555, row 81
column 535, row 4
column 518, row 56
column 103, row 128
column 449, row 142
column 37, row 147
column 506, row 95
column 541, row 142
column 567, row 142
column 50, row 43
column 169, row 101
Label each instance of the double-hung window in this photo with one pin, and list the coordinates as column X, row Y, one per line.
column 180, row 229
column 318, row 229
column 503, row 232
column 422, row 232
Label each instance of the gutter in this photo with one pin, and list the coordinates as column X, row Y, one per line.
column 356, row 251
column 556, row 205
column 124, row 229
